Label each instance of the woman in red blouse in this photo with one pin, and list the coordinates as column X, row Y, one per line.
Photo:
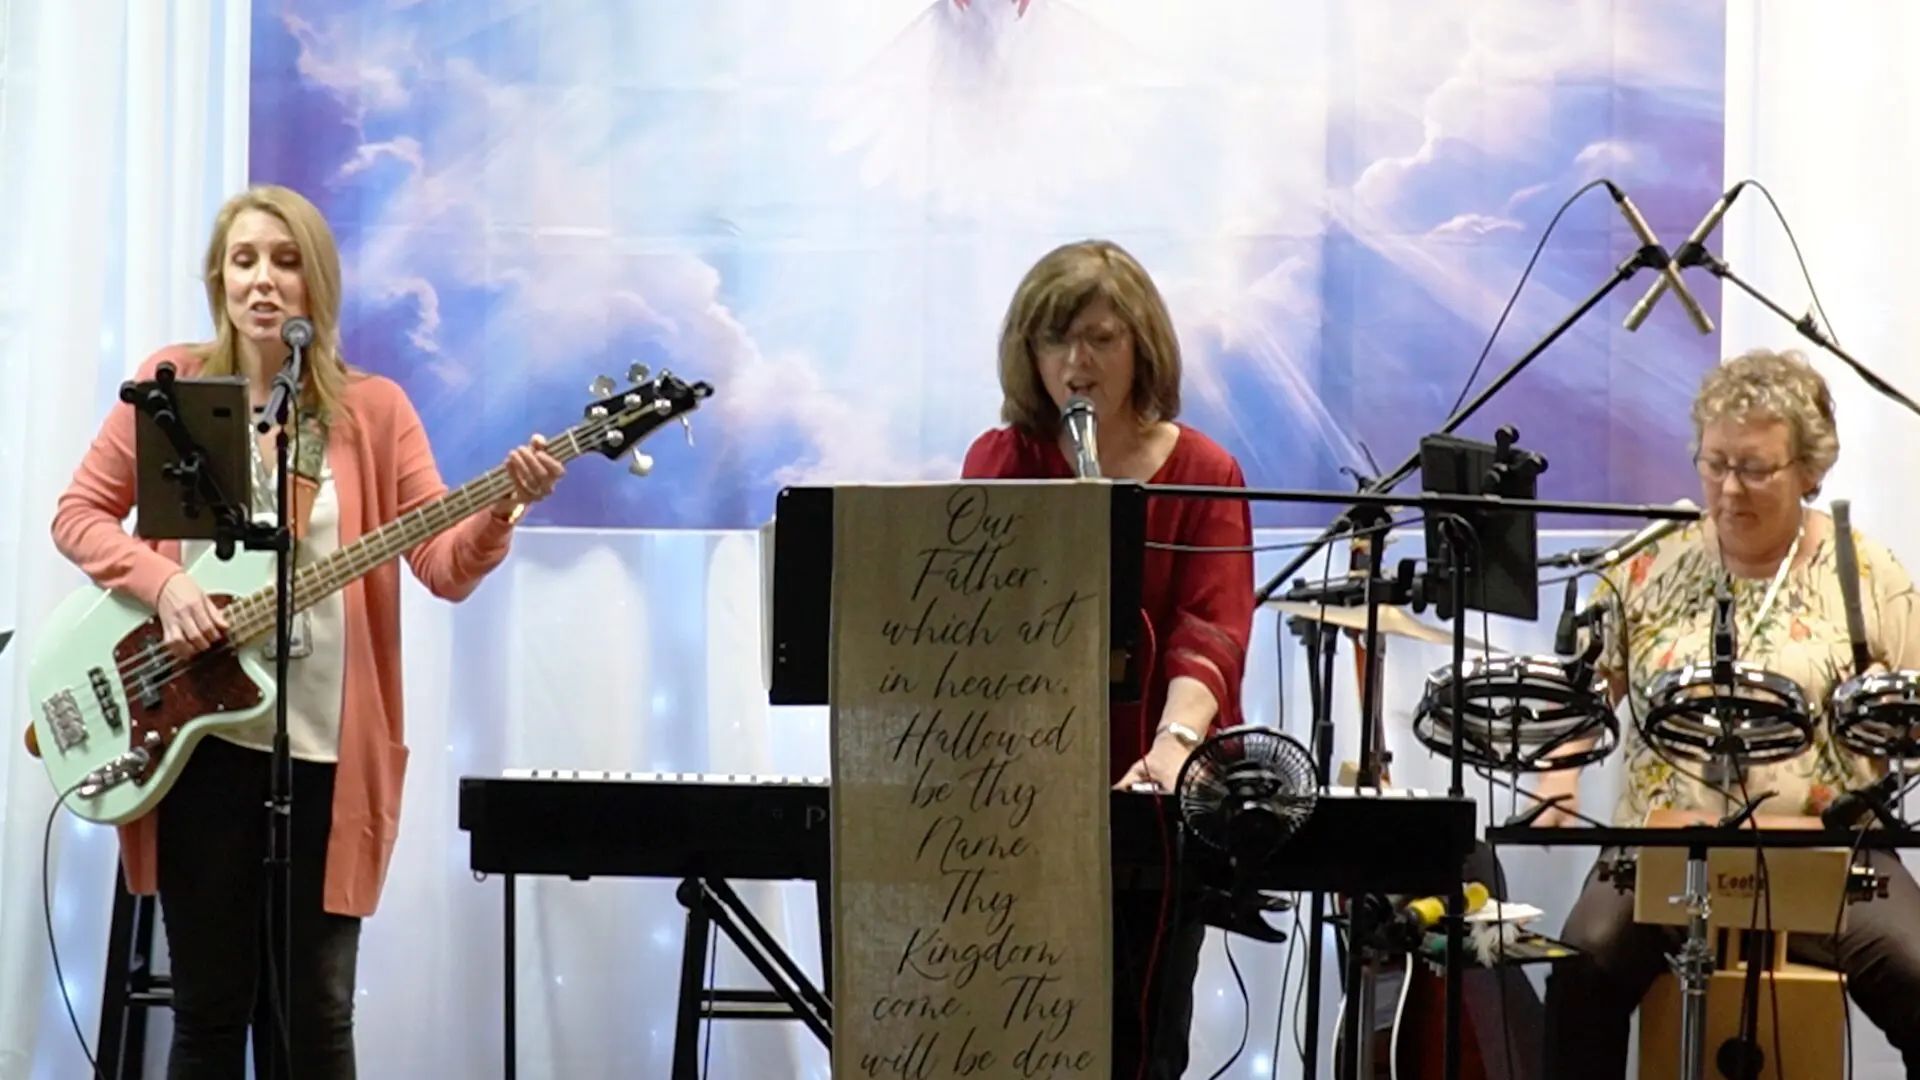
column 1088, row 320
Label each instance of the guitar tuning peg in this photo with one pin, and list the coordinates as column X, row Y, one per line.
column 642, row 464
column 686, row 424
column 601, row 387
column 637, row 373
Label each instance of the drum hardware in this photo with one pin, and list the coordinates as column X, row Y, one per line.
column 1732, row 714
column 1728, row 711
column 1518, row 713
column 1877, row 714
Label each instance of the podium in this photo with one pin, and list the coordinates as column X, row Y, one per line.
column 968, row 638
column 1809, row 888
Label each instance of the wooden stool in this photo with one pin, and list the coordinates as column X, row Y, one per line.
column 1808, row 887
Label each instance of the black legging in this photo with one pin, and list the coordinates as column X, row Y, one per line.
column 1591, row 999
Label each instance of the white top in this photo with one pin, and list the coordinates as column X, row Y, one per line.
column 316, row 671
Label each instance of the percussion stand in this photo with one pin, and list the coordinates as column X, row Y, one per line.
column 1431, row 504
column 1693, row 964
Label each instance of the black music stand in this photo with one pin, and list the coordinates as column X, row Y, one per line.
column 193, row 469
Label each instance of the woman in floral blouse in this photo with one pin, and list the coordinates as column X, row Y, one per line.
column 1764, row 441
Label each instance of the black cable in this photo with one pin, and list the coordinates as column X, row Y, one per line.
column 1286, row 976
column 1518, row 286
column 1813, row 293
column 1798, row 257
column 1255, row 549
column 53, row 947
column 1246, row 1008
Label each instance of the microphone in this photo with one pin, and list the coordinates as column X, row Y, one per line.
column 1608, row 557
column 1723, row 634
column 297, row 333
column 1079, row 422
column 1670, row 273
column 1688, row 254
column 1847, row 564
column 1563, row 639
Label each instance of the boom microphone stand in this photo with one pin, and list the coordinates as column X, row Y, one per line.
column 283, row 409
column 1696, row 254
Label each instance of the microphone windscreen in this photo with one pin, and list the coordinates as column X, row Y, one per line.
column 297, row 332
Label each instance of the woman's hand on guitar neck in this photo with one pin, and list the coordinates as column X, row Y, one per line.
column 190, row 621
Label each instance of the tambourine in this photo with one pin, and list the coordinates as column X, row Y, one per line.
column 1517, row 713
column 1756, row 717
column 1878, row 714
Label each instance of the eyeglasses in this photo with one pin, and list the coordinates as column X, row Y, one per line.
column 1715, row 471
column 1097, row 339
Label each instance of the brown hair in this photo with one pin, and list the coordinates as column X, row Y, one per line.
column 1764, row 385
column 325, row 371
column 1051, row 296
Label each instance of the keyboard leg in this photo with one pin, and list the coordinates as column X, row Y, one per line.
column 823, row 899
column 693, row 960
column 766, row 955
column 510, row 1050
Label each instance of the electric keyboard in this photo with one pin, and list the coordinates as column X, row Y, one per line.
column 584, row 823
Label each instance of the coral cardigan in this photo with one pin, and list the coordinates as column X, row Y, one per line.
column 382, row 468
column 1196, row 604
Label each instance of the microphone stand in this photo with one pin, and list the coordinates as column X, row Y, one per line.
column 283, row 410
column 1650, row 257
column 1693, row 254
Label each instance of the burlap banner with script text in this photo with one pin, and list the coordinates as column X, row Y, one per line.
column 971, row 888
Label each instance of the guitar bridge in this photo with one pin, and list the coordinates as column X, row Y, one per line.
column 62, row 714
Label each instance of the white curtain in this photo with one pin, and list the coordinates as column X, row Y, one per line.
column 122, row 124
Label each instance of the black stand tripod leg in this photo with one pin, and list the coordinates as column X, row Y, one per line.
column 693, row 961
column 509, row 1048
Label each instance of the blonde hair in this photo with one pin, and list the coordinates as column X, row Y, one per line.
column 325, row 371
column 1051, row 296
column 1762, row 385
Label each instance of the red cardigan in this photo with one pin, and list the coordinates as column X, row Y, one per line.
column 1196, row 605
column 382, row 468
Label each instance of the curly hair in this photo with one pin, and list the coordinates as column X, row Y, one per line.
column 1051, row 296
column 1761, row 385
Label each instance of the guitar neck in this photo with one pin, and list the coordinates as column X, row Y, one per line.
column 252, row 616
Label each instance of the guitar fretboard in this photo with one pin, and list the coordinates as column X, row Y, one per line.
column 252, row 616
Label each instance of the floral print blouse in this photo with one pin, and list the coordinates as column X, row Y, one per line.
column 1668, row 591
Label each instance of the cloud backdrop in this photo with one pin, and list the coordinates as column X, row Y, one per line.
column 822, row 208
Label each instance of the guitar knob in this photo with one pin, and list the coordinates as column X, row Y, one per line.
column 601, row 387
column 637, row 373
column 642, row 464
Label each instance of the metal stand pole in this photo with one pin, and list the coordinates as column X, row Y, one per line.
column 1694, row 967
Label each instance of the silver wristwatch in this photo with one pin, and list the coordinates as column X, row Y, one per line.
column 1181, row 733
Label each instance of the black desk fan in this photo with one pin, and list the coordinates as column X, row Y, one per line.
column 1246, row 791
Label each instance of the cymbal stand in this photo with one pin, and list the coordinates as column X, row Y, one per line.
column 1367, row 523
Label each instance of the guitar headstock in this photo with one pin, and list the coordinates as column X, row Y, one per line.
column 619, row 420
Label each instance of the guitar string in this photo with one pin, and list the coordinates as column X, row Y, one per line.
column 155, row 666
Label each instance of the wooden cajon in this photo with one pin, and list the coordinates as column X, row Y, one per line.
column 1809, row 886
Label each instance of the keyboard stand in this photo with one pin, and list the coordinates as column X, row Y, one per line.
column 711, row 902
